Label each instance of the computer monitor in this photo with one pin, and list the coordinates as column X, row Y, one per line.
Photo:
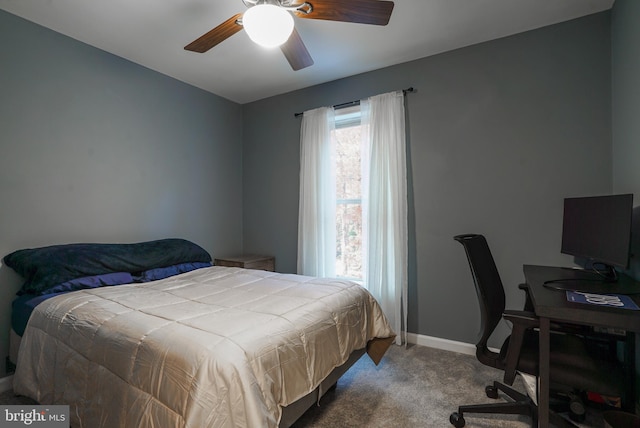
column 598, row 228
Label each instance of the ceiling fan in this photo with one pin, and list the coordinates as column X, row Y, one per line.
column 266, row 18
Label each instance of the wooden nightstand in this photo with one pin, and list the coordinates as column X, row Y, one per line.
column 248, row 262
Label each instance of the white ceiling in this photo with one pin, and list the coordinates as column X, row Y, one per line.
column 153, row 33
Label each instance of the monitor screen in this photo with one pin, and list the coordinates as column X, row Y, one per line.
column 598, row 228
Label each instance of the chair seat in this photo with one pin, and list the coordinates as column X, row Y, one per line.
column 571, row 363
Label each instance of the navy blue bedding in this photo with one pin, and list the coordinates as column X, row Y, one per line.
column 115, row 278
column 165, row 272
column 22, row 308
column 48, row 267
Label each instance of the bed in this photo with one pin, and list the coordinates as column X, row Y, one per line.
column 210, row 346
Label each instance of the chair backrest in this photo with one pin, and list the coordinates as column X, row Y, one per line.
column 489, row 290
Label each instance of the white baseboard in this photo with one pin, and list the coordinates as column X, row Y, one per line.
column 6, row 383
column 444, row 344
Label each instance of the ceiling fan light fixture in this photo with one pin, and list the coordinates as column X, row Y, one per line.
column 268, row 25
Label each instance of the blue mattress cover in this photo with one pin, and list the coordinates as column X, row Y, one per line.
column 22, row 308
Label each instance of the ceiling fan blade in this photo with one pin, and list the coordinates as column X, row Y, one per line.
column 376, row 12
column 296, row 52
column 219, row 34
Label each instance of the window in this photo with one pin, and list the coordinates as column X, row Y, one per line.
column 348, row 172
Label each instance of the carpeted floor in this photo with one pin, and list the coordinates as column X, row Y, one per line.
column 412, row 387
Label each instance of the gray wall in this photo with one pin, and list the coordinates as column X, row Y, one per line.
column 499, row 134
column 94, row 148
column 626, row 96
column 626, row 105
column 626, row 126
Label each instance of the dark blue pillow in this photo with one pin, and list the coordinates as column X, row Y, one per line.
column 165, row 272
column 96, row 281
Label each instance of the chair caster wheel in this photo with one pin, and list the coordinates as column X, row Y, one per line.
column 456, row 420
column 491, row 391
column 577, row 410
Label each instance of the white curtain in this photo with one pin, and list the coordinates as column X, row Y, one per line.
column 316, row 218
column 384, row 197
column 385, row 206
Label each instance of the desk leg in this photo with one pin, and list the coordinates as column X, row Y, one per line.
column 543, row 390
column 630, row 371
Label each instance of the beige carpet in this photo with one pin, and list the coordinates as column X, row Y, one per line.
column 412, row 387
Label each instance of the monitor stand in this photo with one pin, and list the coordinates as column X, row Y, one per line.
column 588, row 281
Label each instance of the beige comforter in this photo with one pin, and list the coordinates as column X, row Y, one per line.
column 214, row 347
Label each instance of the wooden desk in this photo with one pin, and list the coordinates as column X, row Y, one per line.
column 552, row 305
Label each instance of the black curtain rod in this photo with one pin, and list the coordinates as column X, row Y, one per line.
column 355, row 103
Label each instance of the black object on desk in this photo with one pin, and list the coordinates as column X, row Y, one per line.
column 552, row 305
column 566, row 278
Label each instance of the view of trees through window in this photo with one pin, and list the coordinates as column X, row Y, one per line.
column 349, row 255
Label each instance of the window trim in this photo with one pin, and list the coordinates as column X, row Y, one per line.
column 347, row 117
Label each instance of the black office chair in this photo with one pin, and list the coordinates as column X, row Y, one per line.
column 572, row 364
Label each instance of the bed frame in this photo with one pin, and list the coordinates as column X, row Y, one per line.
column 295, row 410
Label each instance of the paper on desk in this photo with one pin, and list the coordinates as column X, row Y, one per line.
column 620, row 301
